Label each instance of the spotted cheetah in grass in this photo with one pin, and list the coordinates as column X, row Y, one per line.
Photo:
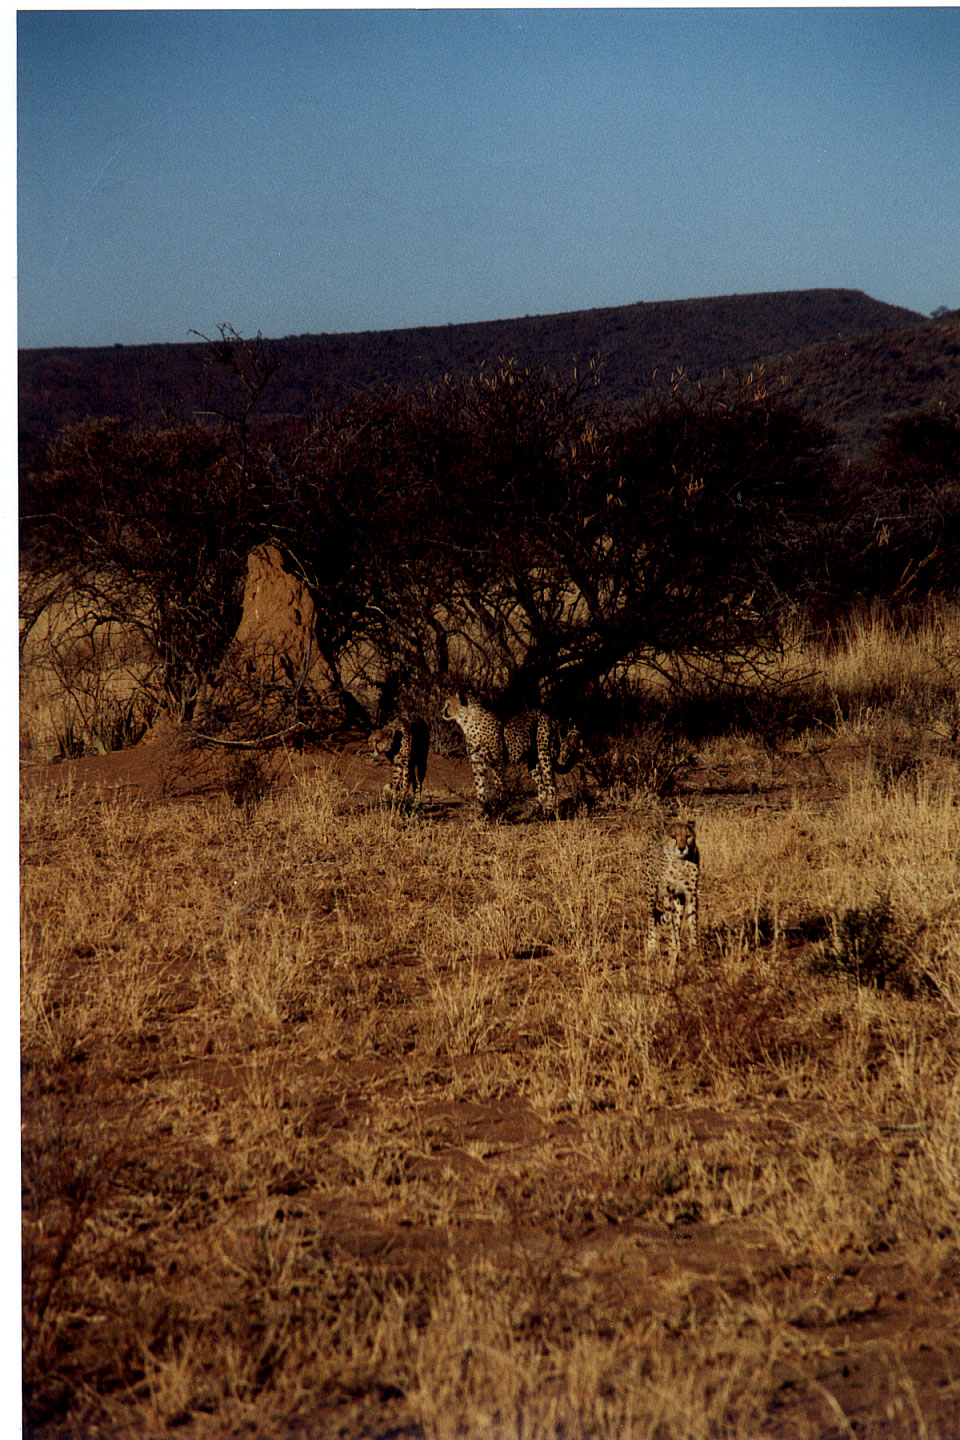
column 407, row 744
column 492, row 744
column 671, row 880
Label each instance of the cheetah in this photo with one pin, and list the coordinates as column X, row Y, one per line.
column 407, row 744
column 671, row 879
column 492, row 744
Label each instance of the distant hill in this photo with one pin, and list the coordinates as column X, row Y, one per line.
column 853, row 386
column 821, row 336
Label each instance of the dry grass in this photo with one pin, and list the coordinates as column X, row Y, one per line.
column 875, row 666
column 385, row 1124
column 85, row 679
column 344, row 1123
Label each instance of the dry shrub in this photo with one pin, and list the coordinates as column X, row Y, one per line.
column 864, row 947
column 647, row 764
column 249, row 777
column 730, row 1022
column 84, row 673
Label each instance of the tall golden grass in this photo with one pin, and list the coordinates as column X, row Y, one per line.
column 344, row 1122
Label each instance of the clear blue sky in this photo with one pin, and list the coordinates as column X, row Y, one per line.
column 289, row 171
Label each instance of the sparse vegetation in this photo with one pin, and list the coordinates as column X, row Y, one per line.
column 341, row 1119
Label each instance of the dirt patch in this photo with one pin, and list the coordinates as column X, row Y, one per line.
column 168, row 765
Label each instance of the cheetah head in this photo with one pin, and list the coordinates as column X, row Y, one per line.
column 683, row 835
column 453, row 708
column 382, row 741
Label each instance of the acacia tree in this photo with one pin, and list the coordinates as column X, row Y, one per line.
column 695, row 533
column 552, row 537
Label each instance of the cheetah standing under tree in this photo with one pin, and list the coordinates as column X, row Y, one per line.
column 492, row 744
column 407, row 744
column 671, row 879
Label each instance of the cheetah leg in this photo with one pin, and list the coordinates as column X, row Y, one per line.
column 496, row 787
column 419, row 752
column 693, row 927
column 414, row 782
column 418, row 772
column 401, row 776
column 676, row 915
column 486, row 783
column 546, row 790
column 479, row 780
column 652, row 941
column 543, row 768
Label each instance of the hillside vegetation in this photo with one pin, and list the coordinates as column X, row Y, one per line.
column 161, row 384
column 857, row 385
